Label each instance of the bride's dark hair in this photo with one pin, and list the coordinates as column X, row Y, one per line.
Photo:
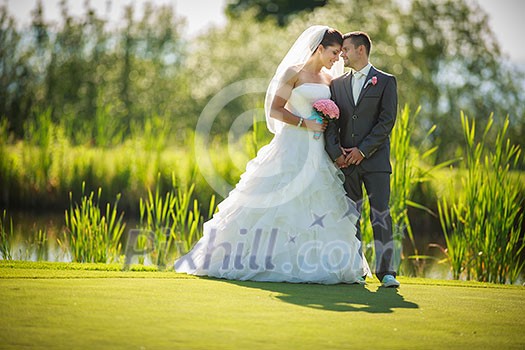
column 331, row 37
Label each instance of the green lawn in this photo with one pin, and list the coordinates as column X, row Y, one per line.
column 62, row 306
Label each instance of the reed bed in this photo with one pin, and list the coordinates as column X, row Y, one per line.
column 172, row 222
column 158, row 179
column 93, row 235
column 482, row 223
column 6, row 236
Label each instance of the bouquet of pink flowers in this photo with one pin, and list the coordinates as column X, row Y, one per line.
column 326, row 109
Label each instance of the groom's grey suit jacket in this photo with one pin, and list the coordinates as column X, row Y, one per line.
column 367, row 123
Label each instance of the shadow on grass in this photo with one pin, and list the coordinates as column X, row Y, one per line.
column 341, row 298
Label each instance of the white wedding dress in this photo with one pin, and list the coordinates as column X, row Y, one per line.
column 288, row 218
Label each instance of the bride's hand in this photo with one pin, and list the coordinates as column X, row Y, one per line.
column 313, row 125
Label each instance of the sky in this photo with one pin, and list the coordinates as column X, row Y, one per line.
column 505, row 16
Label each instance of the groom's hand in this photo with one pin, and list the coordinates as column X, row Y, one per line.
column 353, row 156
column 340, row 161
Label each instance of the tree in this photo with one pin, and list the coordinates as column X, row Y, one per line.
column 16, row 74
column 94, row 81
column 280, row 10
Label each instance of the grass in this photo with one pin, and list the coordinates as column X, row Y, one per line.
column 58, row 306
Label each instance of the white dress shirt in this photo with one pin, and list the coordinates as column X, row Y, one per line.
column 358, row 80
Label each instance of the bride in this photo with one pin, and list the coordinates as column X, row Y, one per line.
column 288, row 218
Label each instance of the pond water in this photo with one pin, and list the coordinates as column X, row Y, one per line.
column 29, row 225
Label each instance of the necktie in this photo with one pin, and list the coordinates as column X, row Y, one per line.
column 357, row 84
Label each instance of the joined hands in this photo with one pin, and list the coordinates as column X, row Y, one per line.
column 350, row 156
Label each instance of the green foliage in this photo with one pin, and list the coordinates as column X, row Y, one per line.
column 93, row 236
column 188, row 220
column 43, row 175
column 156, row 218
column 403, row 179
column 6, row 165
column 93, row 80
column 6, row 236
column 367, row 234
column 16, row 74
column 412, row 166
column 40, row 244
column 173, row 221
column 482, row 223
column 280, row 10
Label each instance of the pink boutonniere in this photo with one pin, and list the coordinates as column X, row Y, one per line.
column 372, row 81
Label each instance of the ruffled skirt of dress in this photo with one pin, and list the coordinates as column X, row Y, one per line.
column 288, row 219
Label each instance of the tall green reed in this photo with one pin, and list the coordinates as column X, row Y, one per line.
column 189, row 217
column 258, row 137
column 36, row 246
column 39, row 133
column 40, row 244
column 6, row 236
column 156, row 218
column 482, row 224
column 106, row 129
column 93, row 236
column 173, row 220
column 401, row 182
column 411, row 166
column 7, row 167
column 367, row 233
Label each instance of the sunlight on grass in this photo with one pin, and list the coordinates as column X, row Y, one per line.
column 62, row 309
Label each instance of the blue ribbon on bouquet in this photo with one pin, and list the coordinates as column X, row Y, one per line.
column 319, row 120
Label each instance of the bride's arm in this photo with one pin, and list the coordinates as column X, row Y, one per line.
column 279, row 112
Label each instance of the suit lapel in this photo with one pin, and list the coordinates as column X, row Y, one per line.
column 371, row 73
column 347, row 83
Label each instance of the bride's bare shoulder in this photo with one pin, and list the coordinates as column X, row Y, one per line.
column 291, row 75
column 291, row 72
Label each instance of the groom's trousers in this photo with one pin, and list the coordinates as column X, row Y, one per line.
column 377, row 186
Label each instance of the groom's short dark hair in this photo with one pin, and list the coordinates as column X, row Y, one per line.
column 358, row 39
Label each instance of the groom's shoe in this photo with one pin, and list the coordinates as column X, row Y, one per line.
column 390, row 281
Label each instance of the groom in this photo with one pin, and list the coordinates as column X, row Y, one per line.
column 359, row 142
